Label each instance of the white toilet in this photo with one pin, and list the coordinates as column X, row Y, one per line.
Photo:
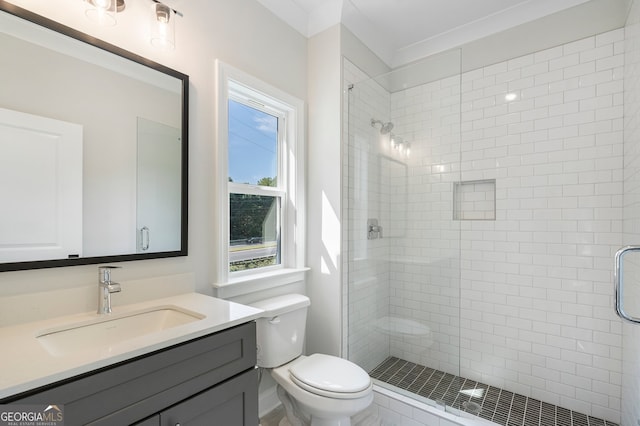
column 317, row 390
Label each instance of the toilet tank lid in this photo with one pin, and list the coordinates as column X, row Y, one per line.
column 281, row 304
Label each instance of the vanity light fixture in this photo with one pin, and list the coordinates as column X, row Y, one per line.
column 163, row 19
column 394, row 140
column 103, row 12
column 400, row 145
column 163, row 26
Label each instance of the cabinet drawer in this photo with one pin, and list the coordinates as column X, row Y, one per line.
column 232, row 403
column 136, row 389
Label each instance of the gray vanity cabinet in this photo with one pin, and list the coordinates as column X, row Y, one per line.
column 207, row 381
column 228, row 404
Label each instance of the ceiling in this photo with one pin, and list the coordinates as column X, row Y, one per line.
column 401, row 31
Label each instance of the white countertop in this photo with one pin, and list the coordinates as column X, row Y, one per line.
column 26, row 364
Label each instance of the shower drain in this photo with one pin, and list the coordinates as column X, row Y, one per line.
column 471, row 407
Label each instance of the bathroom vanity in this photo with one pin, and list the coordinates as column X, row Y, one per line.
column 198, row 373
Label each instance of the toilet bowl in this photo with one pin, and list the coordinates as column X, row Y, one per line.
column 316, row 390
column 325, row 387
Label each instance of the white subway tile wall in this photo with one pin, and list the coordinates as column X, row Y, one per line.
column 631, row 235
column 397, row 410
column 524, row 301
column 390, row 409
column 425, row 265
column 536, row 283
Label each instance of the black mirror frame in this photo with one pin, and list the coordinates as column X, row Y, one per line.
column 80, row 36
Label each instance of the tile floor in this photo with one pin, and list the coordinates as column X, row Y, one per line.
column 272, row 418
column 497, row 405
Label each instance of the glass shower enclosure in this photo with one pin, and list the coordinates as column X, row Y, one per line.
column 402, row 239
column 483, row 207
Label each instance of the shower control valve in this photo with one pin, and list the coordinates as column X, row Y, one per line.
column 374, row 231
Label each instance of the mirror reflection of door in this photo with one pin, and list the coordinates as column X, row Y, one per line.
column 40, row 188
column 158, row 187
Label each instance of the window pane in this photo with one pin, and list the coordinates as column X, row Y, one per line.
column 253, row 145
column 254, row 229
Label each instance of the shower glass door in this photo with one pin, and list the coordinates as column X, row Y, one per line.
column 405, row 205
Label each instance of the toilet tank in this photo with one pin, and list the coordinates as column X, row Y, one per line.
column 280, row 331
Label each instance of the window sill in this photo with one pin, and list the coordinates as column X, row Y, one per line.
column 255, row 282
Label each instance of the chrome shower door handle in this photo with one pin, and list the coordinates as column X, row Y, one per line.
column 618, row 284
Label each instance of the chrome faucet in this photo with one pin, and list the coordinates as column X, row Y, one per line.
column 105, row 288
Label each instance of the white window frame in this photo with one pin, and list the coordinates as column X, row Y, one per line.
column 232, row 83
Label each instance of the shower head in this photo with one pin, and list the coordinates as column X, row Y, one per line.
column 384, row 127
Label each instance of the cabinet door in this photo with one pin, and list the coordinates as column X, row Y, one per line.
column 139, row 388
column 232, row 403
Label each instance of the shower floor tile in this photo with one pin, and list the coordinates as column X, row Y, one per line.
column 497, row 405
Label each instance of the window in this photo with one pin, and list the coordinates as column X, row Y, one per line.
column 260, row 158
column 256, row 190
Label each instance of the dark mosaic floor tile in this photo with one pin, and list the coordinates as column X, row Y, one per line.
column 488, row 408
column 563, row 417
column 425, row 391
column 532, row 412
column 579, row 418
column 516, row 419
column 486, row 415
column 415, row 387
column 500, row 419
column 503, row 407
column 548, row 414
column 519, row 401
column 516, row 416
column 547, row 420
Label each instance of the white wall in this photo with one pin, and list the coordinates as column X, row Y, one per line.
column 325, row 182
column 323, row 193
column 239, row 32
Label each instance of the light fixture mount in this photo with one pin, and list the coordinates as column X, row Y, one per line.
column 163, row 12
column 120, row 4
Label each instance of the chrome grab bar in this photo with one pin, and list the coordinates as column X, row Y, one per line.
column 618, row 284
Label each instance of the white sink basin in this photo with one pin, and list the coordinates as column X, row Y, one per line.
column 39, row 353
column 106, row 331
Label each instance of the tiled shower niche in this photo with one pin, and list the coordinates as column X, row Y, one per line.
column 474, row 200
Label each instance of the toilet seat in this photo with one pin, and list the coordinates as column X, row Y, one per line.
column 330, row 376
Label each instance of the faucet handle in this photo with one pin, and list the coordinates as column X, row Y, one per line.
column 114, row 288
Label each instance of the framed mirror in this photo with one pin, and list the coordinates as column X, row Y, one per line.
column 93, row 149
